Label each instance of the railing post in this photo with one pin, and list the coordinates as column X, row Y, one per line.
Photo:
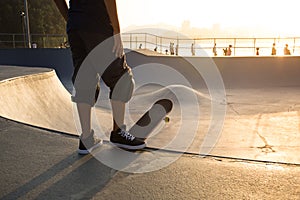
column 177, row 47
column 234, row 46
column 14, row 42
column 145, row 40
column 294, row 45
column 254, row 45
column 130, row 40
column 156, row 42
column 194, row 47
column 47, row 44
column 215, row 42
column 160, row 44
column 44, row 41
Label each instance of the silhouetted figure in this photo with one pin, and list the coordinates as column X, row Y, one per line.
column 215, row 50
column 193, row 49
column 172, row 48
column 273, row 53
column 257, row 51
column 228, row 52
column 84, row 34
column 286, row 50
column 176, row 49
column 225, row 51
column 140, row 47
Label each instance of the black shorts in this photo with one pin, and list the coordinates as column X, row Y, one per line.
column 93, row 58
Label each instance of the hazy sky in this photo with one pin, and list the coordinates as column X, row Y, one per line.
column 282, row 16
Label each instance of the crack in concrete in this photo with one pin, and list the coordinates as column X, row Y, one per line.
column 266, row 148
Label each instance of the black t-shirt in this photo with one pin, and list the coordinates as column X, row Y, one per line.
column 89, row 15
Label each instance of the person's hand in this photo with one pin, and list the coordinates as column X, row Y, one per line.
column 118, row 46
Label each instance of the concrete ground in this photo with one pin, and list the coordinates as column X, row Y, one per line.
column 38, row 164
column 256, row 156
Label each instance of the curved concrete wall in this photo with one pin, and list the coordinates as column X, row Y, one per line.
column 58, row 59
column 36, row 97
column 237, row 72
column 259, row 71
column 241, row 72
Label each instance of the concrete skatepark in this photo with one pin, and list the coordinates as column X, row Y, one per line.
column 257, row 148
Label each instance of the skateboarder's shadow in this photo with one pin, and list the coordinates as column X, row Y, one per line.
column 75, row 177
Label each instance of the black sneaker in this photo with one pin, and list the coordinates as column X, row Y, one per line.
column 123, row 139
column 88, row 144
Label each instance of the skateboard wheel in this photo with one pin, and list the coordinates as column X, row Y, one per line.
column 167, row 119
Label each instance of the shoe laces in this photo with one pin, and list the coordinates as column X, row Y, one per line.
column 126, row 135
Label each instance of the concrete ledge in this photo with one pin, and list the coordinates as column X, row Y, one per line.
column 36, row 97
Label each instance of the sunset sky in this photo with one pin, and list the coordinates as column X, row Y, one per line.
column 281, row 16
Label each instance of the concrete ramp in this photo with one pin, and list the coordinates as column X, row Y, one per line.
column 260, row 124
column 35, row 96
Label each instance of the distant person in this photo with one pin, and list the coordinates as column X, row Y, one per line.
column 176, row 49
column 172, row 52
column 273, row 53
column 286, row 50
column 193, row 49
column 140, row 47
column 257, row 51
column 225, row 51
column 229, row 51
column 62, row 45
column 155, row 49
column 89, row 23
column 215, row 50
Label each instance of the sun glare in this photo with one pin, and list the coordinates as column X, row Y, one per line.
column 280, row 17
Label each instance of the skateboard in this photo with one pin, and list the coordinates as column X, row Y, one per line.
column 152, row 118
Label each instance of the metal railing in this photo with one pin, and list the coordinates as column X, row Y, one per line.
column 11, row 40
column 169, row 45
column 204, row 46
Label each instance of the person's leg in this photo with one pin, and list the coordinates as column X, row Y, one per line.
column 119, row 78
column 84, row 92
column 79, row 53
column 118, row 111
column 84, row 113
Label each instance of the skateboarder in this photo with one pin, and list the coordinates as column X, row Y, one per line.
column 88, row 24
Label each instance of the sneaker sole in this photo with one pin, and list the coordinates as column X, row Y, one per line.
column 124, row 146
column 87, row 151
column 82, row 152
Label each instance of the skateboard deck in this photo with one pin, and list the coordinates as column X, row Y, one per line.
column 151, row 119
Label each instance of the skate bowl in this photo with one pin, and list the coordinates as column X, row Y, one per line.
column 35, row 96
column 262, row 94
